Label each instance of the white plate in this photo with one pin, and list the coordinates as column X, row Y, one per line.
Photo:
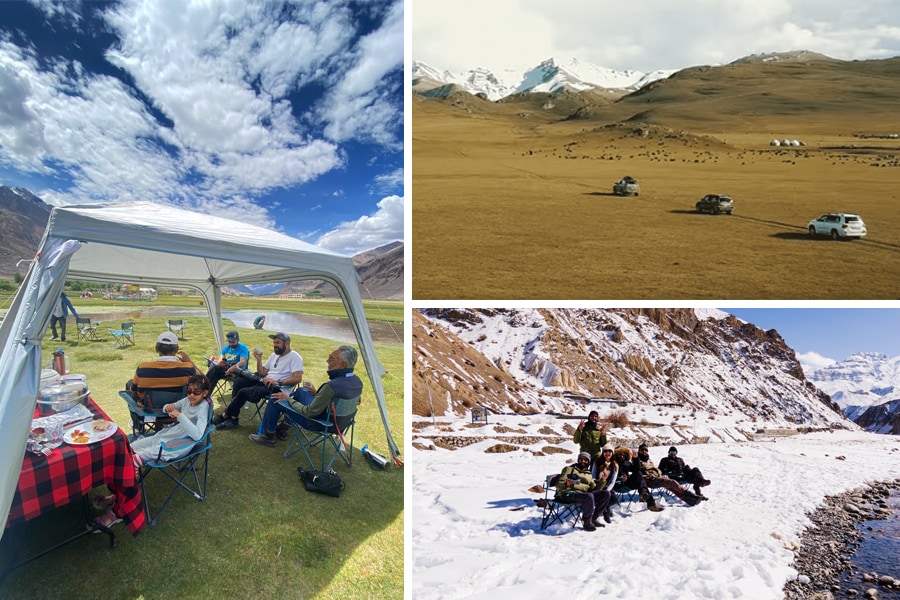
column 96, row 436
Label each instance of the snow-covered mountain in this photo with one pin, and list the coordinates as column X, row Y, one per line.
column 862, row 382
column 560, row 360
column 550, row 76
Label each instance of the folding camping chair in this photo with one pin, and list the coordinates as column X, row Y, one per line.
column 123, row 336
column 331, row 429
column 183, row 471
column 557, row 506
column 86, row 329
column 149, row 418
column 623, row 492
column 177, row 326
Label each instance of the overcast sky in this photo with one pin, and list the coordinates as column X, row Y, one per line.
column 825, row 335
column 285, row 114
column 647, row 35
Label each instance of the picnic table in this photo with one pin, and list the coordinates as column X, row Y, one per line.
column 68, row 474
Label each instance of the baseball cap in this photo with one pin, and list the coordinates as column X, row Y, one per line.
column 167, row 337
column 281, row 336
column 232, row 335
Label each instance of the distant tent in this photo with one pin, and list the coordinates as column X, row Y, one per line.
column 774, row 143
column 160, row 246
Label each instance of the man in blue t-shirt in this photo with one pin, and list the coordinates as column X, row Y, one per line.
column 233, row 355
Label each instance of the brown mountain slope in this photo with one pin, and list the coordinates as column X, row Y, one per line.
column 23, row 217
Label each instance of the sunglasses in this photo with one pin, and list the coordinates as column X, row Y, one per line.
column 195, row 392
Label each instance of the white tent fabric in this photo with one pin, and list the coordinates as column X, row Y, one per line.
column 152, row 245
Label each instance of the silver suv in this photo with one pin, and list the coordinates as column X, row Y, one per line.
column 838, row 226
column 715, row 204
column 627, row 186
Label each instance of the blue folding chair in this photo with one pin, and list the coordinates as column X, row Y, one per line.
column 330, row 431
column 184, row 471
column 123, row 336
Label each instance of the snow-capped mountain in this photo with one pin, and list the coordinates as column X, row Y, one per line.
column 543, row 360
column 550, row 76
column 861, row 382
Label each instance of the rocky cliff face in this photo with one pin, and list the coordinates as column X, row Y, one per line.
column 23, row 217
column 541, row 360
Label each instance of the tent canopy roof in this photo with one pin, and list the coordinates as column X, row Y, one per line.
column 134, row 242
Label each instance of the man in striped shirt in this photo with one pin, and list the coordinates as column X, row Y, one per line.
column 169, row 372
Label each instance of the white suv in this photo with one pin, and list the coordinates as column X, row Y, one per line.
column 838, row 225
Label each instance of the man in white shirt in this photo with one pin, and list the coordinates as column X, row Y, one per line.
column 283, row 368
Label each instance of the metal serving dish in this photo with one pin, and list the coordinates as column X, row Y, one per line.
column 61, row 397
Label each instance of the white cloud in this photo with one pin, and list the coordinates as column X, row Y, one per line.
column 648, row 35
column 369, row 231
column 389, row 181
column 813, row 361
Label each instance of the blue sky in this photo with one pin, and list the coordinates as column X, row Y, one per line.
column 285, row 114
column 830, row 333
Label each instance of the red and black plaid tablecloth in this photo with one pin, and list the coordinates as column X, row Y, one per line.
column 70, row 472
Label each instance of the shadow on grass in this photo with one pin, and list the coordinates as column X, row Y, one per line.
column 685, row 212
column 610, row 194
column 800, row 235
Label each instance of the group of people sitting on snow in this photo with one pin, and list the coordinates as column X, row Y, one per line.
column 599, row 466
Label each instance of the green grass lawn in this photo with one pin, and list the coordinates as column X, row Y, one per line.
column 259, row 534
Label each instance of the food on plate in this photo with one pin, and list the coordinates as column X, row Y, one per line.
column 38, row 431
column 101, row 425
column 81, row 437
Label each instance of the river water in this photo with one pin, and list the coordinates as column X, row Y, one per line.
column 337, row 329
column 878, row 552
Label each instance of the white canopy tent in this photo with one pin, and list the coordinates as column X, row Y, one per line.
column 155, row 245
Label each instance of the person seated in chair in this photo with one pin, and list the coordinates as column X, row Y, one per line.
column 169, row 372
column 284, row 367
column 190, row 415
column 654, row 478
column 307, row 401
column 234, row 355
column 577, row 478
column 630, row 472
column 674, row 467
column 605, row 471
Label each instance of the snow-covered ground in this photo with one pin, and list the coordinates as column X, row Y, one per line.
column 476, row 529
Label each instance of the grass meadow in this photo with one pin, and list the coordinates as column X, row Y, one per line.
column 259, row 534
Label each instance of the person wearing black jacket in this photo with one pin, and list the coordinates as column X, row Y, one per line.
column 673, row 466
column 630, row 473
column 594, row 501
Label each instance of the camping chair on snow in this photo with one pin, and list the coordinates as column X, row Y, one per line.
column 123, row 336
column 177, row 326
column 86, row 329
column 184, row 471
column 557, row 506
column 148, row 416
column 332, row 429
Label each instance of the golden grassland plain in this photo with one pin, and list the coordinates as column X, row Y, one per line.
column 513, row 201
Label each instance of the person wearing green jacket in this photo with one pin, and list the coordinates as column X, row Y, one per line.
column 578, row 480
column 591, row 436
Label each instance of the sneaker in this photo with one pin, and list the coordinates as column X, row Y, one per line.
column 654, row 508
column 589, row 527
column 691, row 499
column 704, row 482
column 596, row 522
column 217, row 419
column 227, row 423
column 263, row 439
column 607, row 515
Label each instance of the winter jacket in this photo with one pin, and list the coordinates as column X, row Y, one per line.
column 673, row 467
column 590, row 439
column 585, row 481
column 648, row 469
